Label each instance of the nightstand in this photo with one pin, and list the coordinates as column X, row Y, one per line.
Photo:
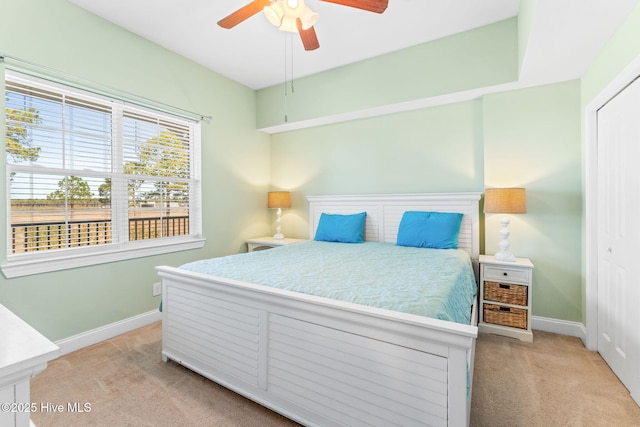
column 261, row 243
column 505, row 297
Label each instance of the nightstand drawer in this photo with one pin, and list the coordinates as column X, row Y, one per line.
column 505, row 316
column 507, row 293
column 500, row 273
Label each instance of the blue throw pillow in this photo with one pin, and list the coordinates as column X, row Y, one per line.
column 341, row 228
column 437, row 230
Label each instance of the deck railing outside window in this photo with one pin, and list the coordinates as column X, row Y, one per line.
column 56, row 235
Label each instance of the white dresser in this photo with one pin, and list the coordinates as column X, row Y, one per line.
column 24, row 353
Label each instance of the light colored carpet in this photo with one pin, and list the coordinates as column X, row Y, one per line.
column 127, row 384
column 553, row 382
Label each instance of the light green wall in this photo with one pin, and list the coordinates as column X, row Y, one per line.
column 532, row 139
column 478, row 58
column 398, row 153
column 235, row 159
column 528, row 137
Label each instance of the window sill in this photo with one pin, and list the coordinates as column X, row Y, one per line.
column 27, row 264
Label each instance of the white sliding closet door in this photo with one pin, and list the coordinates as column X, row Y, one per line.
column 619, row 236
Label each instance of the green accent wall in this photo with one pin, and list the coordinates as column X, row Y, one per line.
column 235, row 160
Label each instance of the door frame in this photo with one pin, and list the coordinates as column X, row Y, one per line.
column 617, row 84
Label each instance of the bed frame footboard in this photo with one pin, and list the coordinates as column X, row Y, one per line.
column 317, row 361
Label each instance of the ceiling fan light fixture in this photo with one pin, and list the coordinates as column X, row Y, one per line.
column 292, row 8
column 274, row 14
column 288, row 24
column 308, row 18
column 295, row 16
column 283, row 14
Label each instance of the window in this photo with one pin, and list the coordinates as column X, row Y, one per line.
column 93, row 179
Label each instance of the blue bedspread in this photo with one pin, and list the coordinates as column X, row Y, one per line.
column 436, row 283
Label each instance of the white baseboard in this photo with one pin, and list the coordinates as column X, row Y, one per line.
column 94, row 336
column 563, row 327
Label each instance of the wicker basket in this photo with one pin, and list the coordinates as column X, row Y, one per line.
column 505, row 292
column 506, row 316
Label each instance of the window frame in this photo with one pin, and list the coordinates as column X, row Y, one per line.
column 22, row 264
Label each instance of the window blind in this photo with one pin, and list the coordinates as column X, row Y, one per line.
column 86, row 170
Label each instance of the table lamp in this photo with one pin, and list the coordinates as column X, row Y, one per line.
column 279, row 200
column 505, row 201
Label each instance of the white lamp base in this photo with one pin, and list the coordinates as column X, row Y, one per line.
column 504, row 254
column 278, row 235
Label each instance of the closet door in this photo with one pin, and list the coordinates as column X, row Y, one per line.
column 619, row 236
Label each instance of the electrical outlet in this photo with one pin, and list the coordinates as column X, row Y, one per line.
column 157, row 289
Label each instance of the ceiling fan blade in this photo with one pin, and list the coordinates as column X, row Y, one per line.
column 308, row 36
column 243, row 13
column 377, row 6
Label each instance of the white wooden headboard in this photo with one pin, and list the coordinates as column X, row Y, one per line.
column 384, row 212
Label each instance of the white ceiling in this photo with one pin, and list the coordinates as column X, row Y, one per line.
column 565, row 37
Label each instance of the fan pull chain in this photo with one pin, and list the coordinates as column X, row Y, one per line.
column 288, row 48
column 291, row 47
column 285, row 78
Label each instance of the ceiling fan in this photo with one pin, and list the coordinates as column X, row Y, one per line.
column 295, row 15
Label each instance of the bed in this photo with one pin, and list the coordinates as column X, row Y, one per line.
column 324, row 361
